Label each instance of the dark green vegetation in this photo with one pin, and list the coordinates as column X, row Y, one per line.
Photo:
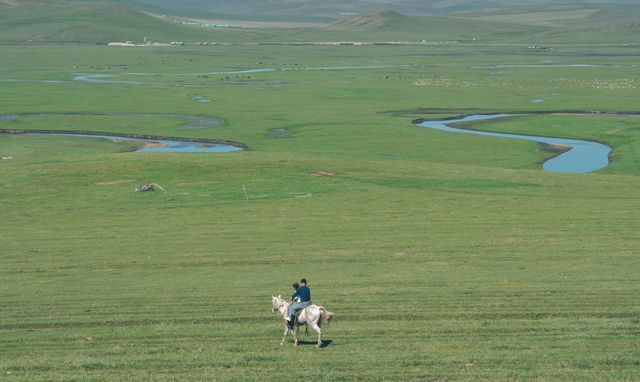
column 444, row 256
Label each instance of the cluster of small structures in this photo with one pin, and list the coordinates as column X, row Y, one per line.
column 366, row 43
column 100, row 67
column 434, row 83
column 538, row 47
column 146, row 42
column 204, row 25
column 302, row 43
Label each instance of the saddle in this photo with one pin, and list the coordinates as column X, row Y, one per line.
column 296, row 319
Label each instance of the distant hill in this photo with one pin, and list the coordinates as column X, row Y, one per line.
column 84, row 22
column 102, row 22
column 90, row 21
column 617, row 14
column 332, row 10
column 388, row 25
column 585, row 23
column 386, row 19
column 622, row 32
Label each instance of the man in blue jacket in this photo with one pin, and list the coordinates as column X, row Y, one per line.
column 301, row 298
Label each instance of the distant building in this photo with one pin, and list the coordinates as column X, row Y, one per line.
column 127, row 43
column 205, row 25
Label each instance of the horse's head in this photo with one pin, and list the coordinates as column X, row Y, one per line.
column 276, row 303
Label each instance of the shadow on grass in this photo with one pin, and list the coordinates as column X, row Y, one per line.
column 325, row 343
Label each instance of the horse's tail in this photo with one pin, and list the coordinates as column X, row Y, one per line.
column 326, row 316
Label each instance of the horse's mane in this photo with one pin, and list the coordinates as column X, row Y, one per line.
column 281, row 300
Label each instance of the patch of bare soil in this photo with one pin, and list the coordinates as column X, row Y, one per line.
column 153, row 145
column 322, row 173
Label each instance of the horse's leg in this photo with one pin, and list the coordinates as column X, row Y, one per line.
column 317, row 328
column 286, row 331
column 295, row 335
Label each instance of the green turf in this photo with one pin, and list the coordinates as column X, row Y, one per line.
column 444, row 256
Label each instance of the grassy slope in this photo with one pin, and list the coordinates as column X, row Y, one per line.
column 99, row 22
column 331, row 10
column 103, row 22
column 622, row 32
column 587, row 23
column 388, row 25
column 441, row 259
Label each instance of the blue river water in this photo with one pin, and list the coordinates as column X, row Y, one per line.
column 165, row 146
column 583, row 156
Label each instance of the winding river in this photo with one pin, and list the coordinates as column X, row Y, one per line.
column 581, row 157
column 149, row 143
column 163, row 145
column 577, row 156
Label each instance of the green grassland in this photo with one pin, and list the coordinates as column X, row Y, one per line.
column 444, row 256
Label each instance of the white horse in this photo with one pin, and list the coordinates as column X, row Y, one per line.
column 313, row 315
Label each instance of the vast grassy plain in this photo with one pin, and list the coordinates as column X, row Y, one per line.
column 444, row 256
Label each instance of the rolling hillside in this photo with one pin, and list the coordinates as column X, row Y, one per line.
column 93, row 22
column 589, row 23
column 375, row 20
column 393, row 26
column 68, row 21
column 81, row 22
column 627, row 32
column 332, row 10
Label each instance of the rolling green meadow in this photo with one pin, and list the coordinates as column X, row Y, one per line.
column 444, row 256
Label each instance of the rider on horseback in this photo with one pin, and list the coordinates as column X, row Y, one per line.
column 300, row 299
